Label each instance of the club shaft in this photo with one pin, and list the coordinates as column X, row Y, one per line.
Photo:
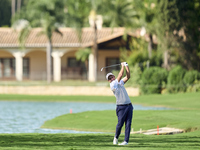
column 112, row 66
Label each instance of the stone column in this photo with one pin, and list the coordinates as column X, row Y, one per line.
column 57, row 65
column 19, row 65
column 91, row 76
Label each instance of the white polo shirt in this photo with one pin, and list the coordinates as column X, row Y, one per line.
column 120, row 92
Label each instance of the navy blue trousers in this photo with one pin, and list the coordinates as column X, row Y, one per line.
column 124, row 114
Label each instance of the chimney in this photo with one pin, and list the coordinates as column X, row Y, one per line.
column 97, row 19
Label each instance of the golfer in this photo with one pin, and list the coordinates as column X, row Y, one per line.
column 124, row 109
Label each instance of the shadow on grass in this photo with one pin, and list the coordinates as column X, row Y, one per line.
column 95, row 141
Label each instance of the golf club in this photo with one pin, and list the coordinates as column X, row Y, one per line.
column 110, row 66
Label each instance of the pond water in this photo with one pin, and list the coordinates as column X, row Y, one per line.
column 28, row 117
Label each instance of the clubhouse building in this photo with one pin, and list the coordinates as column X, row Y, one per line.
column 30, row 63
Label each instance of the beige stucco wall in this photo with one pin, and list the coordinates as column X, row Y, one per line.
column 5, row 54
column 66, row 56
column 37, row 64
column 103, row 54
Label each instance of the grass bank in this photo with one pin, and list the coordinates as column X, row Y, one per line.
column 181, row 101
column 186, row 141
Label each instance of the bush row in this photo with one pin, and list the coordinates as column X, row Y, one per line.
column 156, row 79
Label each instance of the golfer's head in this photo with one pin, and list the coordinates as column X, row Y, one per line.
column 110, row 77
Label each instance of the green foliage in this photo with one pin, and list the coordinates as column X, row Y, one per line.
column 138, row 53
column 5, row 13
column 83, row 54
column 156, row 59
column 175, row 80
column 77, row 13
column 195, row 87
column 190, row 77
column 192, row 81
column 119, row 14
column 153, row 79
column 146, row 11
column 189, row 12
column 47, row 14
column 137, row 57
column 167, row 21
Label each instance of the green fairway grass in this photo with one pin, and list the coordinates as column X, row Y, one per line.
column 185, row 141
column 105, row 121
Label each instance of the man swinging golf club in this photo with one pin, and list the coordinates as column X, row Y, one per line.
column 124, row 110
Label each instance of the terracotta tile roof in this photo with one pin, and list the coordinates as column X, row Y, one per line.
column 69, row 38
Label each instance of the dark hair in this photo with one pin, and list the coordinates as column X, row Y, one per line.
column 109, row 78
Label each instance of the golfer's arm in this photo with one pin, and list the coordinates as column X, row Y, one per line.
column 120, row 73
column 127, row 77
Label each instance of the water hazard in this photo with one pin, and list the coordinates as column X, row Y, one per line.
column 28, row 117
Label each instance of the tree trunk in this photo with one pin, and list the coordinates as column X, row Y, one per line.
column 166, row 62
column 18, row 5
column 13, row 8
column 94, row 51
column 49, row 61
column 150, row 46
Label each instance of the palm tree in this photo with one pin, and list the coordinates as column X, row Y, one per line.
column 93, row 18
column 47, row 14
column 116, row 13
column 120, row 14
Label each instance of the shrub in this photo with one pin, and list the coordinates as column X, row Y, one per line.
column 190, row 77
column 195, row 87
column 152, row 80
column 175, row 80
column 192, row 80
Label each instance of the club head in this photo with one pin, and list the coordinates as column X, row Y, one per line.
column 101, row 69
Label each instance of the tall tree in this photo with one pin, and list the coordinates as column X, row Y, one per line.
column 167, row 22
column 47, row 14
column 146, row 10
column 189, row 12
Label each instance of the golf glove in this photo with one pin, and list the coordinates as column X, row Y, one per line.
column 125, row 63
